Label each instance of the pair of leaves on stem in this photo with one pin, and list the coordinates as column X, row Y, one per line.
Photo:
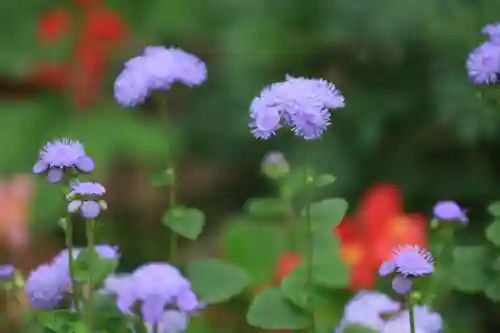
column 291, row 305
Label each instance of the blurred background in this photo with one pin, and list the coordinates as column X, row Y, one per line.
column 412, row 117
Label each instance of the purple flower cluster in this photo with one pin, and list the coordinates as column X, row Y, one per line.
column 157, row 69
column 84, row 197
column 162, row 292
column 367, row 308
column 7, row 272
column 450, row 211
column 407, row 262
column 301, row 104
column 47, row 284
column 483, row 63
column 61, row 155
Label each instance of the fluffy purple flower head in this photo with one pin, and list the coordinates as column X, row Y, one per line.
column 156, row 286
column 407, row 261
column 483, row 64
column 131, row 87
column 45, row 286
column 400, row 326
column 84, row 198
column 366, row 308
column 449, row 211
column 59, row 155
column 301, row 104
column 425, row 319
column 157, row 69
column 493, row 31
column 7, row 272
column 171, row 322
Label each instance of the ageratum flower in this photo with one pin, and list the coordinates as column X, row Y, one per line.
column 366, row 308
column 400, row 326
column 425, row 319
column 45, row 286
column 155, row 286
column 157, row 69
column 301, row 104
column 493, row 31
column 171, row 322
column 483, row 64
column 85, row 198
column 450, row 211
column 408, row 261
column 7, row 272
column 61, row 155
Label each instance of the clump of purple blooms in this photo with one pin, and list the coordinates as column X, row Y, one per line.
column 160, row 289
column 483, row 63
column 299, row 103
column 379, row 312
column 407, row 262
column 84, row 197
column 450, row 211
column 157, row 69
column 60, row 156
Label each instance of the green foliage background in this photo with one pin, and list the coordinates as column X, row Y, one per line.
column 411, row 118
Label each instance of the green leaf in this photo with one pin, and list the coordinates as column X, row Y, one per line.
column 57, row 320
column 468, row 271
column 90, row 261
column 494, row 209
column 187, row 222
column 80, row 327
column 357, row 329
column 492, row 233
column 259, row 259
column 492, row 290
column 327, row 214
column 324, row 180
column 216, row 281
column 271, row 311
column 163, row 178
column 266, row 207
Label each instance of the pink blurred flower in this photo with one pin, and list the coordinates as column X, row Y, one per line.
column 15, row 196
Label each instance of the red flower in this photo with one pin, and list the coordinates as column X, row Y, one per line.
column 52, row 26
column 101, row 30
column 369, row 238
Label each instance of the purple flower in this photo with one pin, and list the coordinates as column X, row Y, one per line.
column 157, row 69
column 171, row 322
column 483, row 64
column 59, row 155
column 155, row 286
column 408, row 261
column 425, row 319
column 449, row 211
column 400, row 326
column 366, row 309
column 493, row 31
column 7, row 272
column 85, row 198
column 301, row 104
column 45, row 286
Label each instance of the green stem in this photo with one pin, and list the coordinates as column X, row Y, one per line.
column 68, row 232
column 412, row 314
column 91, row 248
column 309, row 244
column 173, row 241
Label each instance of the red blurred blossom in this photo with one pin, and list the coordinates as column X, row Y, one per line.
column 369, row 238
column 52, row 26
column 101, row 31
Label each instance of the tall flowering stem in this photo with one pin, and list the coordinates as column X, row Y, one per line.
column 90, row 226
column 411, row 313
column 173, row 241
column 309, row 237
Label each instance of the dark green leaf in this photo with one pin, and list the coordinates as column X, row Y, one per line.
column 468, row 272
column 267, row 207
column 327, row 214
column 324, row 180
column 270, row 310
column 258, row 259
column 89, row 261
column 494, row 209
column 493, row 233
column 187, row 222
column 216, row 281
column 57, row 320
column 163, row 178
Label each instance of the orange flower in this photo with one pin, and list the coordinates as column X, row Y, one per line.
column 286, row 265
column 52, row 26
